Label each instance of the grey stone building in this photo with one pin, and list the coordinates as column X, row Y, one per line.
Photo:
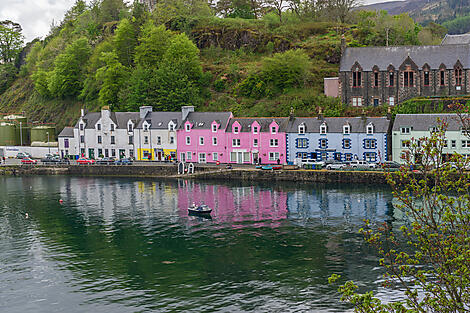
column 390, row 75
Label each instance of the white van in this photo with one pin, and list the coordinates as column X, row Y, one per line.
column 362, row 164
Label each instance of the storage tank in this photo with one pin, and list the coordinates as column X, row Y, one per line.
column 25, row 132
column 16, row 119
column 40, row 134
column 8, row 134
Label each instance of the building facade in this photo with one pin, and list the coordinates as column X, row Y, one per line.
column 201, row 136
column 67, row 143
column 390, row 75
column 409, row 127
column 156, row 138
column 257, row 140
column 106, row 134
column 338, row 138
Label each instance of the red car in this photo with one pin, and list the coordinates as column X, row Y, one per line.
column 28, row 161
column 85, row 161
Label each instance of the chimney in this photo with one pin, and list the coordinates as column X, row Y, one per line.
column 105, row 111
column 343, row 44
column 320, row 114
column 291, row 115
column 82, row 112
column 144, row 110
column 389, row 113
column 185, row 110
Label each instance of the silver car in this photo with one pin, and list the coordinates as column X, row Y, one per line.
column 335, row 166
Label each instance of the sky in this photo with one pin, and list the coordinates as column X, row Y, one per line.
column 36, row 16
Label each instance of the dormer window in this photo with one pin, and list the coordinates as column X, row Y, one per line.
column 255, row 130
column 301, row 129
column 346, row 129
column 171, row 126
column 130, row 127
column 236, row 130
column 146, row 127
column 187, row 127
column 112, row 127
column 82, row 126
column 273, row 129
column 323, row 128
column 214, row 128
column 370, row 129
column 98, row 126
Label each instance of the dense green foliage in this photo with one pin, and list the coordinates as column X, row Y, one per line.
column 459, row 25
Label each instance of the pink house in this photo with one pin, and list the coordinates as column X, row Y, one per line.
column 201, row 136
column 256, row 140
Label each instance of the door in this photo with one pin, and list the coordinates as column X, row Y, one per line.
column 255, row 158
column 159, row 155
column 239, row 157
column 91, row 153
column 182, row 157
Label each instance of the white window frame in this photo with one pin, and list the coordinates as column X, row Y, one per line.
column 200, row 159
column 189, row 155
column 188, row 140
column 201, row 141
column 346, row 129
column 255, row 130
column 323, row 144
column 301, row 129
column 171, row 127
column 112, row 127
column 391, row 101
column 146, row 140
column 214, row 141
column 347, row 143
column 274, row 142
column 172, row 140
column 187, row 127
column 466, row 143
column 323, row 129
column 255, row 142
column 236, row 129
column 215, row 156
column 214, row 128
column 273, row 156
column 273, row 129
column 159, row 140
column 405, row 130
column 236, row 142
column 370, row 129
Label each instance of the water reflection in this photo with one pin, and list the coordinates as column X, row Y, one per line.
column 129, row 245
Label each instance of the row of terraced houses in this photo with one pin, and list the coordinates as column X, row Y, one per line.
column 219, row 137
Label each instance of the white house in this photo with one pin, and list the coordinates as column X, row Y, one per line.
column 67, row 143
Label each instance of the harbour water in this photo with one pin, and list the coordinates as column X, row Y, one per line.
column 128, row 245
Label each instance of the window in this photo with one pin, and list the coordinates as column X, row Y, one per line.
column 112, row 127
column 376, row 79
column 274, row 142
column 201, row 141
column 106, row 152
column 453, row 143
column 357, row 79
column 235, row 130
column 130, row 128
column 442, row 77
column 346, row 143
column 370, row 129
column 171, row 127
column 465, row 143
column 405, row 144
column 82, row 139
column 323, row 143
column 81, row 127
column 255, row 142
column 214, row 141
column 458, row 76
column 301, row 129
column 131, row 153
column 235, row 142
column 376, row 102
column 100, row 153
column 255, row 129
column 100, row 140
column 146, row 127
column 146, row 139
column 66, row 143
column 172, row 140
column 370, row 144
column 302, row 143
column 348, row 157
column 346, row 129
column 405, row 130
column 301, row 155
column 273, row 156
column 188, row 140
column 113, row 140
column 426, row 78
column 370, row 156
column 187, row 127
column 273, row 129
column 323, row 129
column 408, row 79
column 391, row 79
column 357, row 101
column 131, row 140
column 391, row 101
column 214, row 128
column 215, row 156
column 113, row 152
column 98, row 126
column 159, row 140
column 202, row 158
column 188, row 155
column 445, row 144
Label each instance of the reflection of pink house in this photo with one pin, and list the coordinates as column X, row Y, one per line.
column 201, row 136
column 252, row 139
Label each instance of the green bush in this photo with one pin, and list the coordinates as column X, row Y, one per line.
column 219, row 85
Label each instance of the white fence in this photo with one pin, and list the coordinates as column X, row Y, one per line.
column 36, row 152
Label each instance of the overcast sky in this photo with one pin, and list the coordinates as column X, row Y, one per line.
column 36, row 16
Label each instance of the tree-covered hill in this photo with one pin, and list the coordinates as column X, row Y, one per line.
column 248, row 56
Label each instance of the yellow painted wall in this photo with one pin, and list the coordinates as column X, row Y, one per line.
column 140, row 153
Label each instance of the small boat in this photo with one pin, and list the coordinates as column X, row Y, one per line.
column 271, row 167
column 199, row 209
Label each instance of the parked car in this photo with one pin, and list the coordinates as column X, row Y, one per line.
column 28, row 161
column 22, row 155
column 335, row 165
column 105, row 161
column 85, row 161
column 50, row 159
column 124, row 161
column 362, row 164
column 310, row 164
column 391, row 164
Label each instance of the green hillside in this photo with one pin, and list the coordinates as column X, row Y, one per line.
column 257, row 64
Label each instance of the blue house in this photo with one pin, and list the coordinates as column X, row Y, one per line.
column 338, row 138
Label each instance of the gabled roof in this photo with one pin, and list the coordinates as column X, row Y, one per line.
column 119, row 118
column 203, row 120
column 434, row 56
column 160, row 120
column 335, row 124
column 456, row 39
column 90, row 119
column 424, row 122
column 263, row 121
column 66, row 132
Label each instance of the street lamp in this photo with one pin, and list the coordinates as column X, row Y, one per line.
column 48, row 145
column 21, row 136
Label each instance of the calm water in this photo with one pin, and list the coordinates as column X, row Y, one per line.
column 128, row 245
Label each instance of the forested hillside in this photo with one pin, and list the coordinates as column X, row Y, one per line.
column 257, row 58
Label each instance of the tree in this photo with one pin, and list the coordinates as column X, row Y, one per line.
column 278, row 6
column 125, row 42
column 429, row 255
column 183, row 56
column 11, row 41
column 239, row 8
column 168, row 10
column 67, row 77
column 154, row 42
column 113, row 77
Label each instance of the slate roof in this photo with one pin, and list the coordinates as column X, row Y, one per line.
column 66, row 132
column 335, row 124
column 160, row 120
column 263, row 121
column 203, row 120
column 423, row 122
column 119, row 118
column 456, row 39
column 434, row 56
column 90, row 119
